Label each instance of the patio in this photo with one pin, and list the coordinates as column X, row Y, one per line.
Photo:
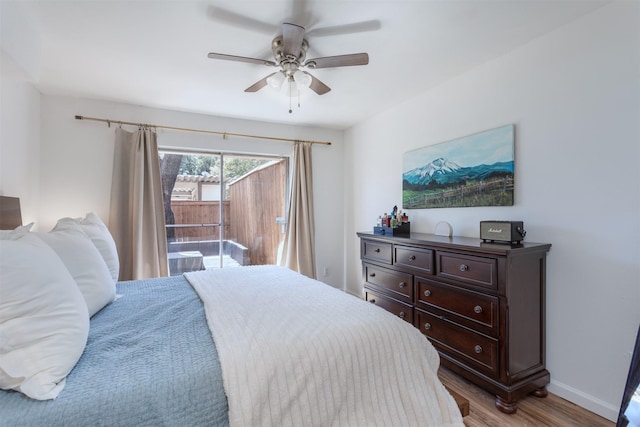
column 205, row 254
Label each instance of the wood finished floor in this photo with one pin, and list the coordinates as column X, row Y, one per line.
column 532, row 411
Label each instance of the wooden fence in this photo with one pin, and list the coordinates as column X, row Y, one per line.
column 199, row 212
column 258, row 199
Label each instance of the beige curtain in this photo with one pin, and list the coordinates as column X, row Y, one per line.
column 136, row 217
column 299, row 240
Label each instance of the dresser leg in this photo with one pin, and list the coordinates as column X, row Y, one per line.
column 511, row 407
column 506, row 407
column 540, row 392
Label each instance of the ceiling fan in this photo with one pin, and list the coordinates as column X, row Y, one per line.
column 289, row 53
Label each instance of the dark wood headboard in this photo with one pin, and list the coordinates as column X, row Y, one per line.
column 10, row 215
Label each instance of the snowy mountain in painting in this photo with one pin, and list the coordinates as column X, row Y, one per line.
column 445, row 171
column 424, row 174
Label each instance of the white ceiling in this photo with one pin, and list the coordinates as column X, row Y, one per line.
column 154, row 52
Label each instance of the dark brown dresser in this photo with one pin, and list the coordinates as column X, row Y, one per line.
column 482, row 305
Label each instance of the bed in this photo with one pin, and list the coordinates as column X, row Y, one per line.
column 250, row 346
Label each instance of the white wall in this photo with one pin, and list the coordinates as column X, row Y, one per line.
column 19, row 108
column 20, row 137
column 77, row 160
column 574, row 96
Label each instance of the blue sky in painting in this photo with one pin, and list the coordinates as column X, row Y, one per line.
column 488, row 147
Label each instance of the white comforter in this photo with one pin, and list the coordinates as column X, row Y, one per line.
column 297, row 352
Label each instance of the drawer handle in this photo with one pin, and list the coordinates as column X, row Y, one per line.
column 401, row 315
column 427, row 326
column 427, row 293
column 412, row 258
column 402, row 284
column 464, row 267
column 372, row 301
column 477, row 309
column 372, row 274
column 477, row 349
column 377, row 250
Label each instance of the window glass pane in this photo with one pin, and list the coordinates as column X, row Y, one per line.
column 222, row 210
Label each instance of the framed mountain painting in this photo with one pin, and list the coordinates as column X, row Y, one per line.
column 475, row 170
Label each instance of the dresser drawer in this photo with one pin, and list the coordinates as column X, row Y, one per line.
column 468, row 268
column 416, row 258
column 376, row 251
column 471, row 308
column 399, row 283
column 403, row 311
column 474, row 349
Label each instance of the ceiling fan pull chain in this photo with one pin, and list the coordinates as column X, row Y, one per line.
column 290, row 110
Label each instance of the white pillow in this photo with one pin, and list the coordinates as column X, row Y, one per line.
column 84, row 262
column 44, row 322
column 16, row 233
column 101, row 237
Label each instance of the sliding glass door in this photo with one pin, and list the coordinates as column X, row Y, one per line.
column 223, row 210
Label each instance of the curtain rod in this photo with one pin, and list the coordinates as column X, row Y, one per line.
column 224, row 134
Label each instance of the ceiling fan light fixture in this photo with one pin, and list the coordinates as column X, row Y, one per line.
column 302, row 79
column 276, row 80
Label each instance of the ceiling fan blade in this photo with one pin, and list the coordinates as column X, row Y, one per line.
column 338, row 61
column 231, row 18
column 226, row 57
column 258, row 85
column 336, row 30
column 317, row 86
column 292, row 36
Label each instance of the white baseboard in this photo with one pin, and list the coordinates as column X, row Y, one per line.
column 591, row 403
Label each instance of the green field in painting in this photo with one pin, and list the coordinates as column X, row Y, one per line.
column 494, row 193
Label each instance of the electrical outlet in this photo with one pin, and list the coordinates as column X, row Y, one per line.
column 325, row 271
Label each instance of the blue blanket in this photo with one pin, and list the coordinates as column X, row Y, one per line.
column 150, row 361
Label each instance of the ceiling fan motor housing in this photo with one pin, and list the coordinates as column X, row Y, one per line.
column 277, row 47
